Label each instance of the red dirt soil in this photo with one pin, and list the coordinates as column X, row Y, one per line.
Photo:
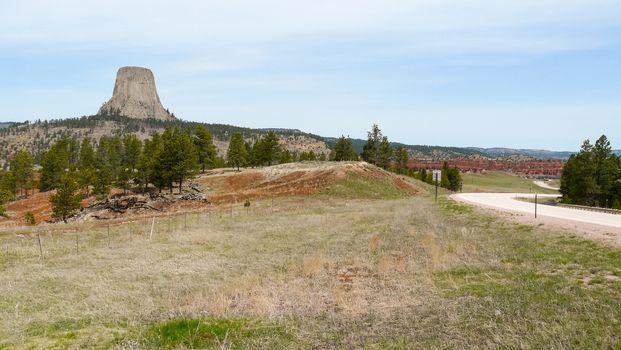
column 297, row 179
column 37, row 202
column 229, row 186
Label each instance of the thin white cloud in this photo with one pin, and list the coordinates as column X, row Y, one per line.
column 203, row 23
column 310, row 64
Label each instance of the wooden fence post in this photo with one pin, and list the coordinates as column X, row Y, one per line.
column 152, row 227
column 40, row 248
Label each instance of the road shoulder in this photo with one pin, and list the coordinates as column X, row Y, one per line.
column 605, row 234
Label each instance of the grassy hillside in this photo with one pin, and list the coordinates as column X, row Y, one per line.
column 497, row 181
column 314, row 272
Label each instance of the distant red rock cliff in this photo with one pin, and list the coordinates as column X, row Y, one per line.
column 529, row 167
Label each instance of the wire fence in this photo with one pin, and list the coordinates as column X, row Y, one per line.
column 46, row 241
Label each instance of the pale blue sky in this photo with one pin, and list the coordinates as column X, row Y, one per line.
column 521, row 74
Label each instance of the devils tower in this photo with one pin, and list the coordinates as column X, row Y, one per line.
column 135, row 96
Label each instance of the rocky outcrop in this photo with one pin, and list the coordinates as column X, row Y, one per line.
column 135, row 96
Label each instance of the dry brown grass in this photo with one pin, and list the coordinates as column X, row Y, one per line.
column 247, row 264
column 336, row 272
column 312, row 265
column 374, row 243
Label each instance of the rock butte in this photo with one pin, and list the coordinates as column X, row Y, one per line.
column 135, row 96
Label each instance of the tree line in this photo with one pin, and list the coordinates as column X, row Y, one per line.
column 164, row 161
column 592, row 177
column 78, row 169
column 450, row 179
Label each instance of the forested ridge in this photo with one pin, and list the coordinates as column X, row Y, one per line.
column 38, row 136
column 131, row 125
column 79, row 168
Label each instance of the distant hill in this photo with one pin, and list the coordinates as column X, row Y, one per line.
column 442, row 152
column 38, row 136
column 534, row 153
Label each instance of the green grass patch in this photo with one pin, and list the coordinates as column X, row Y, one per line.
column 213, row 333
column 365, row 187
column 498, row 181
column 542, row 201
column 53, row 329
column 537, row 277
column 453, row 207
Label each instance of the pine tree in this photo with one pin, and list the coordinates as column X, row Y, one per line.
column 73, row 147
column 269, row 148
column 109, row 155
column 312, row 156
column 402, row 160
column 429, row 178
column 593, row 176
column 451, row 178
column 147, row 163
column 207, row 152
column 377, row 150
column 22, row 168
column 251, row 159
column 343, row 150
column 178, row 159
column 371, row 149
column 237, row 155
column 423, row 175
column 65, row 202
column 444, row 181
column 579, row 179
column 102, row 181
column 7, row 186
column 132, row 149
column 87, row 154
column 606, row 170
column 130, row 154
column 54, row 163
column 107, row 165
column 285, row 157
column 86, row 166
column 385, row 153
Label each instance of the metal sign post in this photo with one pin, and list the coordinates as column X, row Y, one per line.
column 535, row 205
column 437, row 177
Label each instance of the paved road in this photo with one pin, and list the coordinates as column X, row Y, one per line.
column 507, row 202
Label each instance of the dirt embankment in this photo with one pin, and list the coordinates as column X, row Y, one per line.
column 37, row 202
column 219, row 186
column 294, row 179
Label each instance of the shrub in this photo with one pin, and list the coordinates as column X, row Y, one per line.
column 30, row 218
